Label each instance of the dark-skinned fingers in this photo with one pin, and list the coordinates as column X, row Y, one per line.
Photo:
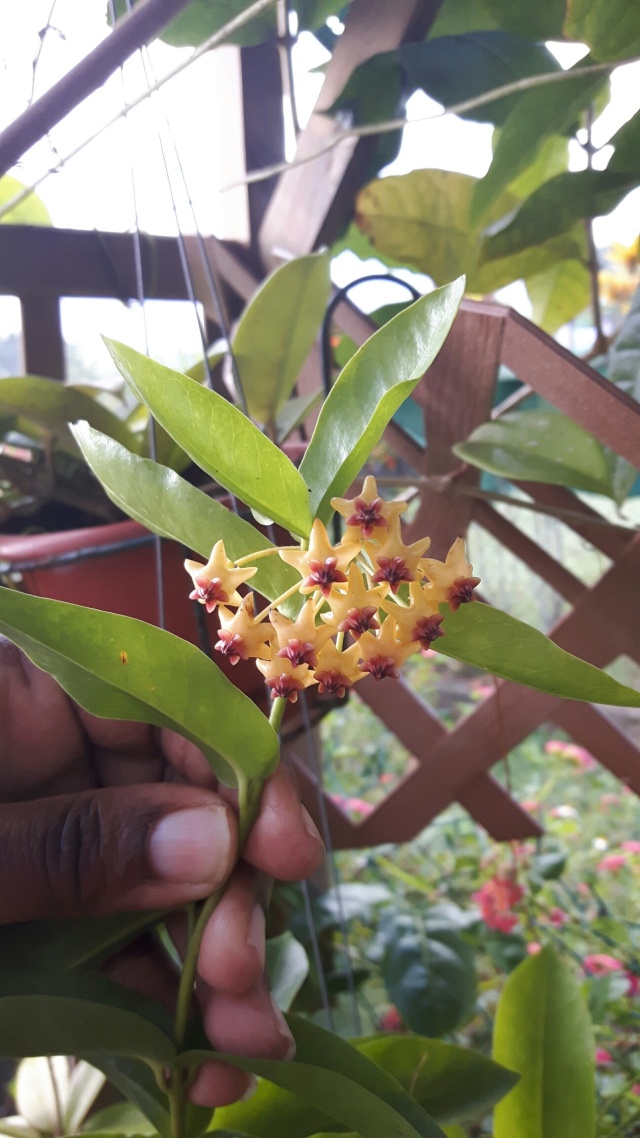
column 284, row 842
column 219, row 1084
column 248, row 1024
column 232, row 953
column 113, row 850
column 186, row 759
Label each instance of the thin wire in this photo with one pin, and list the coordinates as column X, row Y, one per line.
column 43, row 35
column 317, row 956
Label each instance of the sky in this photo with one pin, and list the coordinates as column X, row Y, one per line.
column 96, row 189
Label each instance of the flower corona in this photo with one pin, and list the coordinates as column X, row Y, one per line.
column 385, row 596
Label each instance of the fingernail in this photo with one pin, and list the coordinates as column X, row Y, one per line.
column 310, row 826
column 251, row 1089
column 284, row 1032
column 192, row 846
column 256, row 933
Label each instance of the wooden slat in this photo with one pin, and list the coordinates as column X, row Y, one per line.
column 593, row 729
column 538, row 560
column 42, row 343
column 572, row 386
column 611, row 540
column 312, row 202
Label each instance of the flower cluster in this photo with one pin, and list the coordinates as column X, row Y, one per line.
column 383, row 597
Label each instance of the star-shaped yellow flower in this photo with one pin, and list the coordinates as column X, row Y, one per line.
column 395, row 562
column 240, row 636
column 356, row 609
column 451, row 580
column 300, row 640
column 367, row 511
column 283, row 680
column 420, row 620
column 336, row 671
column 321, row 565
column 383, row 654
column 217, row 581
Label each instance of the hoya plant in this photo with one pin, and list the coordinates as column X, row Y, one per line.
column 336, row 609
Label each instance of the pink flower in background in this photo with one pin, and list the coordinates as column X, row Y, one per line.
column 579, row 755
column 635, row 1090
column 633, row 982
column 354, row 805
column 608, row 800
column 612, row 863
column 385, row 778
column 533, row 948
column 496, row 899
column 392, row 1020
column 603, row 1057
column 531, row 805
column 558, row 917
column 563, row 811
column 600, row 963
column 632, row 847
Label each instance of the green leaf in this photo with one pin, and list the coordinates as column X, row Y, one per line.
column 611, row 28
column 43, row 1013
column 542, row 20
column 423, row 219
column 138, row 1083
column 543, row 1032
column 277, row 331
column 559, row 294
column 538, row 115
column 173, row 508
column 161, row 680
column 624, row 370
column 62, row 945
column 294, row 413
column 32, row 211
column 552, row 159
column 539, row 446
column 328, row 1077
column 119, row 1118
column 454, row 1084
column 428, row 972
column 214, row 356
column 287, row 968
column 201, row 18
column 490, row 639
column 369, row 390
column 220, row 439
column 52, row 406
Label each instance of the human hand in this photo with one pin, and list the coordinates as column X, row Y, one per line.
column 99, row 816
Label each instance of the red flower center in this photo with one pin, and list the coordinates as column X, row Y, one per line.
column 367, row 516
column 394, row 571
column 358, row 621
column 428, row 629
column 231, row 645
column 461, row 592
column 299, row 653
column 381, row 667
column 285, row 687
column 209, row 592
column 323, row 575
column 333, row 682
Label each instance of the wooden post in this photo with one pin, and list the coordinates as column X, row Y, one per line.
column 42, row 343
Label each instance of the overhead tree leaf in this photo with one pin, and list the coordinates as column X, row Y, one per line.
column 52, row 406
column 277, row 331
column 540, row 21
column 543, row 1031
column 201, row 18
column 161, row 679
column 454, row 1084
column 328, row 1077
column 369, row 391
column 611, row 28
column 559, row 294
column 220, row 439
column 45, row 1013
column 624, row 370
column 422, row 219
column 552, row 159
column 539, row 446
column 538, row 115
column 287, row 968
column 171, row 507
column 493, row 640
column 32, row 211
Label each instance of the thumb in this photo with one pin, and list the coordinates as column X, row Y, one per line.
column 111, row 850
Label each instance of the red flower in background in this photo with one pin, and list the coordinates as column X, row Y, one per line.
column 496, row 900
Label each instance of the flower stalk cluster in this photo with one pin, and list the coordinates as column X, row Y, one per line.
column 370, row 601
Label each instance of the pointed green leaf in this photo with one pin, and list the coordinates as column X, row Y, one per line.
column 538, row 114
column 369, row 390
column 137, row 1082
column 543, row 1031
column 171, row 507
column 220, row 439
column 452, row 1083
column 539, row 446
column 119, row 1118
column 62, row 945
column 328, row 1077
column 277, row 331
column 559, row 294
column 82, row 1014
column 32, row 211
column 160, row 679
column 610, row 27
column 52, row 406
column 295, row 412
column 493, row 640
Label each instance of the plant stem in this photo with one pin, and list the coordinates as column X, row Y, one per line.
column 277, row 712
column 278, row 601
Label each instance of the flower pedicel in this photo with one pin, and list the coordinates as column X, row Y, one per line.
column 384, row 594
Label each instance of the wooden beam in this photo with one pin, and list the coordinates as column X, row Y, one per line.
column 42, row 343
column 312, row 202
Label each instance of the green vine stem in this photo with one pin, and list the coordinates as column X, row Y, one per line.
column 249, row 793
